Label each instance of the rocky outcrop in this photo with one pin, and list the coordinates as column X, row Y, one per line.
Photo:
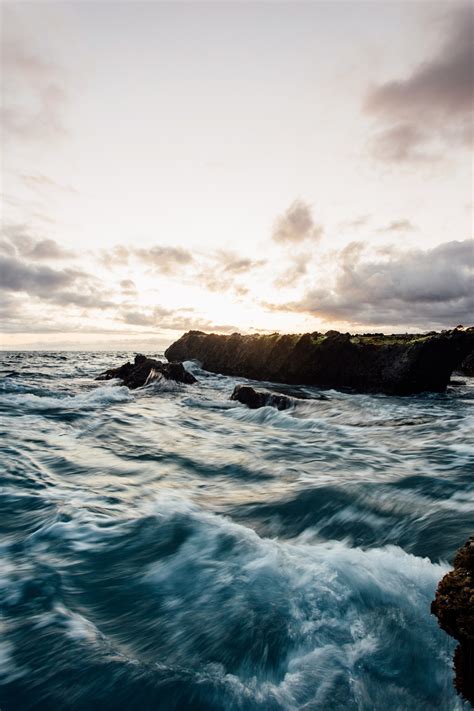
column 454, row 608
column 397, row 364
column 467, row 365
column 260, row 398
column 145, row 370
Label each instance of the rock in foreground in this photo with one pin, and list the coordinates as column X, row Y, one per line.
column 145, row 370
column 398, row 364
column 454, row 608
column 260, row 398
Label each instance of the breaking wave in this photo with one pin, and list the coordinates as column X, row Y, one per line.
column 171, row 549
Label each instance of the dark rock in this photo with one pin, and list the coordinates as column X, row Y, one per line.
column 467, row 365
column 260, row 398
column 393, row 364
column 454, row 608
column 145, row 370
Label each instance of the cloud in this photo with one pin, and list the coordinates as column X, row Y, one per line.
column 357, row 222
column 10, row 309
column 17, row 240
column 39, row 182
column 291, row 276
column 136, row 317
column 162, row 259
column 34, row 95
column 435, row 102
column 402, row 225
column 401, row 143
column 116, row 256
column 48, row 249
column 63, row 287
column 219, row 271
column 234, row 264
column 431, row 288
column 224, row 270
column 213, row 280
column 167, row 320
column 40, row 280
column 296, row 225
column 128, row 286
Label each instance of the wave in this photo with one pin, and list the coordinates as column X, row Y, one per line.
column 267, row 623
column 23, row 398
column 364, row 514
column 304, row 583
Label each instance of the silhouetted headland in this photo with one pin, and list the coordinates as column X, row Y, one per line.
column 400, row 364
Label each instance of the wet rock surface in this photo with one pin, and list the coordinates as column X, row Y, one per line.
column 454, row 608
column 260, row 398
column 400, row 364
column 146, row 370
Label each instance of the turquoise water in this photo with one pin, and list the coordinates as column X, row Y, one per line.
column 170, row 549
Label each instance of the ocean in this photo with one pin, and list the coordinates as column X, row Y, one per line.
column 167, row 548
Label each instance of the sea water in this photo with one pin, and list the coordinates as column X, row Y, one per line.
column 167, row 548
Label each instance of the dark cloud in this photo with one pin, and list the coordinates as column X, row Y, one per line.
column 431, row 288
column 402, row 225
column 39, row 280
column 17, row 240
column 60, row 286
column 434, row 102
column 296, row 225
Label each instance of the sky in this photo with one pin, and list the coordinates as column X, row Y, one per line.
column 234, row 166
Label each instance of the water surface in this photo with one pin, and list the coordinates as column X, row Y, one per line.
column 170, row 549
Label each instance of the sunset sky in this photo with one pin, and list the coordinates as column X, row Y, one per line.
column 229, row 166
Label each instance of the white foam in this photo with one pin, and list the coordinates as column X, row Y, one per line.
column 99, row 397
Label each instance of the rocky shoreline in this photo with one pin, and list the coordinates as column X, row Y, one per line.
column 454, row 608
column 376, row 363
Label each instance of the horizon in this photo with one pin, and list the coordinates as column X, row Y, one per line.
column 234, row 166
column 153, row 345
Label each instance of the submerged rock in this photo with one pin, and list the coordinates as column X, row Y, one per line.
column 454, row 608
column 145, row 370
column 400, row 364
column 260, row 398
